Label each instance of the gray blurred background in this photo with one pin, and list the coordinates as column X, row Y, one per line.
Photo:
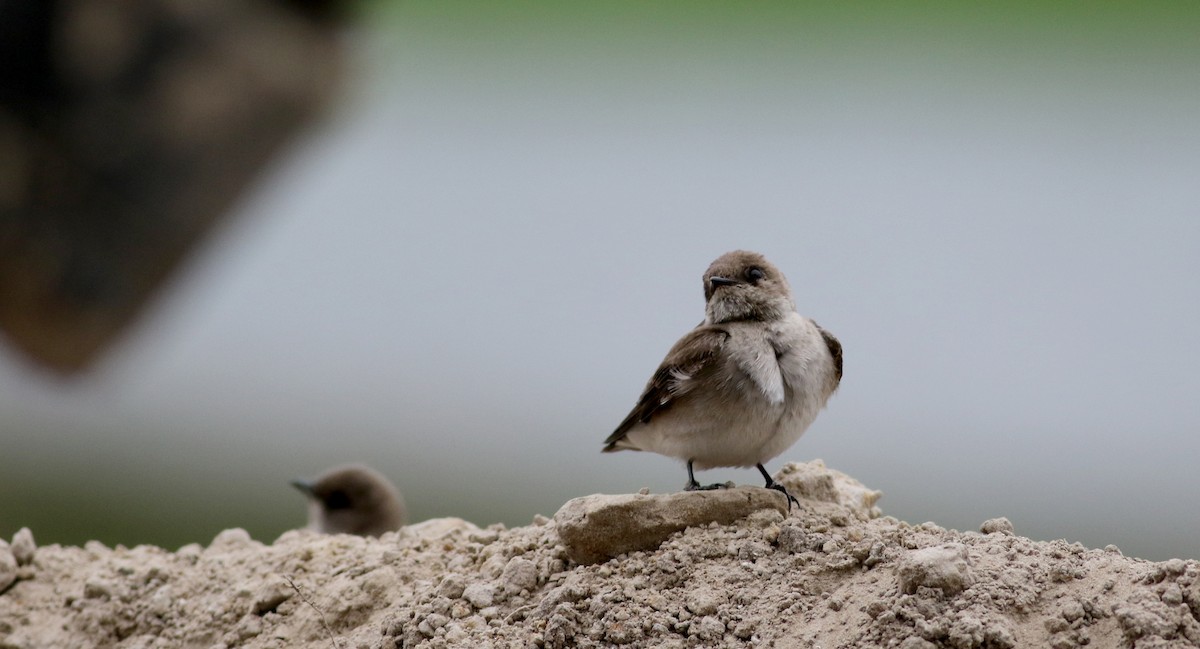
column 465, row 276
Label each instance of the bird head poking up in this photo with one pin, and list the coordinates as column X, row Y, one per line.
column 352, row 499
column 743, row 285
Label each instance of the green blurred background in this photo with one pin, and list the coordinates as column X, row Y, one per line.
column 465, row 275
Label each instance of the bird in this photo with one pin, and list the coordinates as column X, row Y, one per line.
column 352, row 499
column 741, row 387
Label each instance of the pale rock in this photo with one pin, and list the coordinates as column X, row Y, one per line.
column 815, row 481
column 519, row 574
column 231, row 538
column 270, row 595
column 480, row 595
column 947, row 567
column 8, row 566
column 23, row 546
column 997, row 526
column 599, row 527
column 440, row 528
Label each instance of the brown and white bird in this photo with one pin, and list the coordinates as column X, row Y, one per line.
column 352, row 499
column 741, row 387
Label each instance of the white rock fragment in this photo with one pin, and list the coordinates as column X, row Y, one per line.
column 270, row 595
column 599, row 527
column 8, row 566
column 451, row 587
column 519, row 574
column 946, row 567
column 23, row 546
column 480, row 595
column 439, row 528
column 703, row 601
column 997, row 526
column 815, row 481
column 231, row 538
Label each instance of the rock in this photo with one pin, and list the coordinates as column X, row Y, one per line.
column 451, row 587
column 519, row 574
column 599, row 527
column 230, row 538
column 440, row 528
column 480, row 595
column 815, row 481
column 946, row 567
column 270, row 595
column 703, row 601
column 997, row 526
column 23, row 546
column 8, row 566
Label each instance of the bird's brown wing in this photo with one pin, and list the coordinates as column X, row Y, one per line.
column 690, row 356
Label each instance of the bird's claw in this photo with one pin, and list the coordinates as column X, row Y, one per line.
column 783, row 490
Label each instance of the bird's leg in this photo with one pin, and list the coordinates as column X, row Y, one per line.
column 771, row 484
column 692, row 485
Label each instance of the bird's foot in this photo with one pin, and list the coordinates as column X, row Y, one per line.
column 771, row 484
column 692, row 485
column 783, row 490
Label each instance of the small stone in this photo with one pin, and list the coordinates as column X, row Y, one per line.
column 703, row 602
column 23, row 546
column 480, row 595
column 96, row 588
column 997, row 526
column 440, row 528
column 451, row 587
column 485, row 537
column 8, row 566
column 270, row 595
column 946, row 567
column 709, row 629
column 519, row 574
column 455, row 635
column 231, row 538
column 1172, row 594
column 249, row 627
column 917, row 642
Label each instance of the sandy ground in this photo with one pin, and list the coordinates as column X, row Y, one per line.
column 832, row 573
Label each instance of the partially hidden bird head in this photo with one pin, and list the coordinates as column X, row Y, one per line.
column 353, row 499
column 743, row 285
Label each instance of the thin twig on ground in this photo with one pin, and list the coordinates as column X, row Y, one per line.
column 320, row 613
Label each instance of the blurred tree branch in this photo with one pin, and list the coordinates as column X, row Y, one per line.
column 127, row 128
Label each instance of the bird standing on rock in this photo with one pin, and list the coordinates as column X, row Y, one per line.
column 741, row 387
column 352, row 499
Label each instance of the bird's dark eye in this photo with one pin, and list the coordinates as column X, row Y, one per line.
column 755, row 274
column 337, row 500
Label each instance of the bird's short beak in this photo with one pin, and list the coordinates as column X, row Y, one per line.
column 722, row 281
column 303, row 485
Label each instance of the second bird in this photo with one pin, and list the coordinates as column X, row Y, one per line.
column 741, row 387
column 352, row 499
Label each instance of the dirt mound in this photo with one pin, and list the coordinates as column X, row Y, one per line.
column 833, row 573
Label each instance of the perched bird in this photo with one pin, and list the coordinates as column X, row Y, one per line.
column 352, row 499
column 741, row 387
